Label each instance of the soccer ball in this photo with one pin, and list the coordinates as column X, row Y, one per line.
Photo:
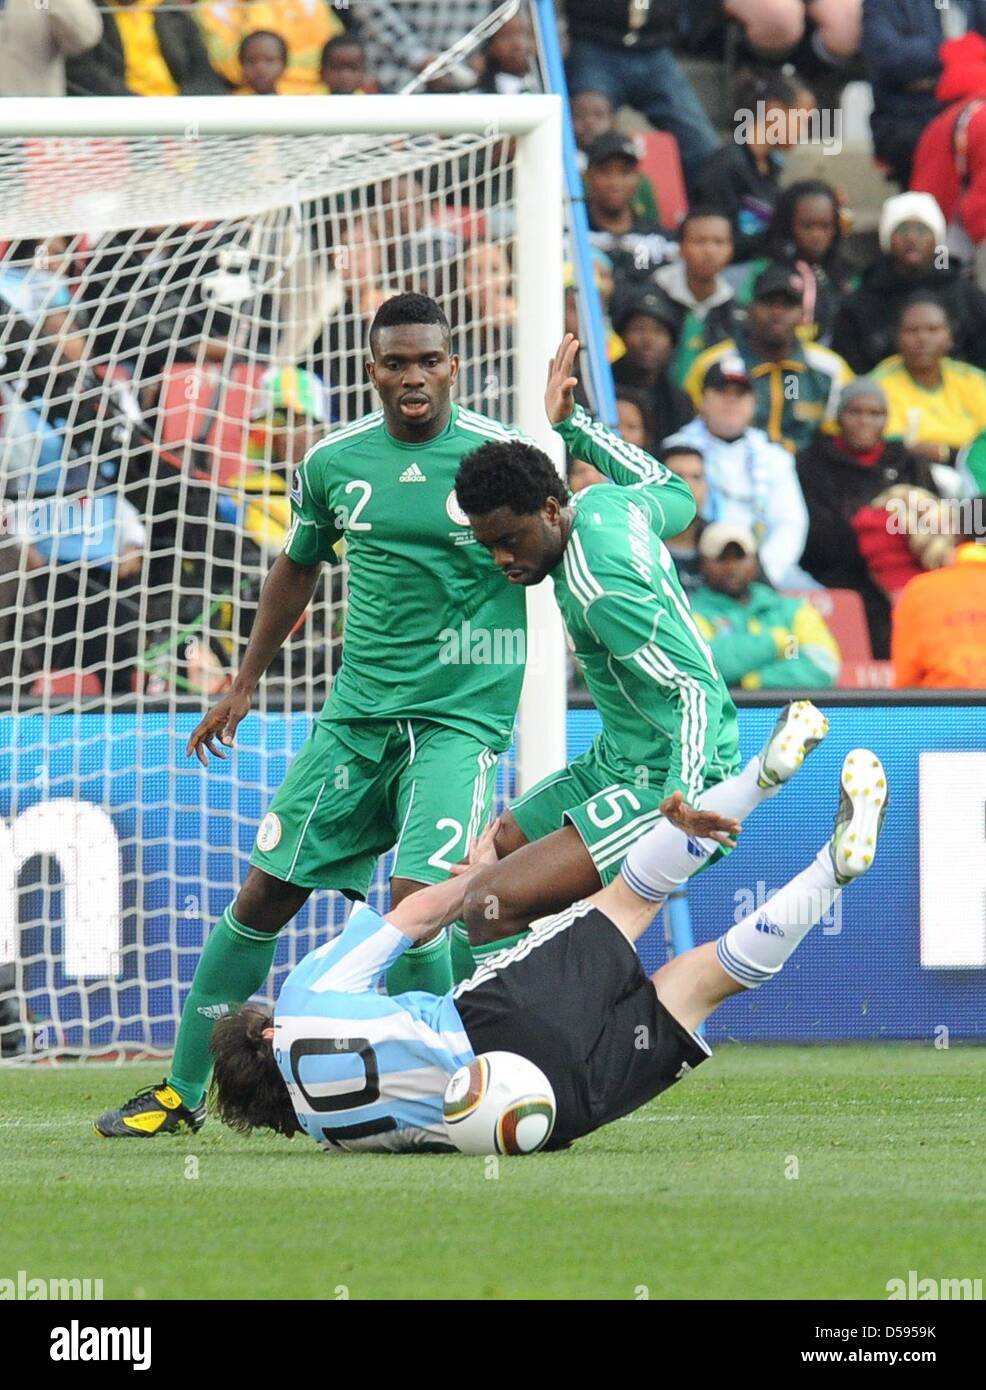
column 499, row 1104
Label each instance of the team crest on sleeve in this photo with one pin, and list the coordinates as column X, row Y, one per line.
column 269, row 834
column 296, row 486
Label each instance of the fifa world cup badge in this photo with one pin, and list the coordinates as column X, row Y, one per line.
column 269, row 834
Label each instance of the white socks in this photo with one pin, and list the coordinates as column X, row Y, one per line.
column 665, row 857
column 755, row 949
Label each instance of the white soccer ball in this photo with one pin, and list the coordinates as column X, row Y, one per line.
column 499, row 1104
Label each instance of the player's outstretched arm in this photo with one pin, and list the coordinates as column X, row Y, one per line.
column 286, row 594
column 594, row 442
column 441, row 903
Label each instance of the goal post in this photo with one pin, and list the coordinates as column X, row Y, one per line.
column 185, row 285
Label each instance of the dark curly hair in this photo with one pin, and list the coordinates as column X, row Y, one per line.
column 507, row 473
column 248, row 1091
column 926, row 297
column 408, row 308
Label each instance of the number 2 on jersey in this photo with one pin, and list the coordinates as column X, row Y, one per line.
column 366, row 490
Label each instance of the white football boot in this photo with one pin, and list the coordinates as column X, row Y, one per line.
column 800, row 727
column 862, row 807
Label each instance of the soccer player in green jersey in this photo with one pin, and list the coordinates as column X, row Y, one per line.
column 404, row 751
column 669, row 745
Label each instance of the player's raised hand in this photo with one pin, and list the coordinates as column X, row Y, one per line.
column 701, row 825
column 559, row 394
column 483, row 848
column 221, row 722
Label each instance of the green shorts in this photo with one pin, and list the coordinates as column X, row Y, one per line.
column 354, row 791
column 609, row 809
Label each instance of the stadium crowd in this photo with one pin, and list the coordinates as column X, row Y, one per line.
column 821, row 386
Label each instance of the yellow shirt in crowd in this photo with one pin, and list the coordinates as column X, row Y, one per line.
column 147, row 74
column 953, row 413
column 305, row 25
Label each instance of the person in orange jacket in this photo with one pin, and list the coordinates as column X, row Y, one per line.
column 939, row 625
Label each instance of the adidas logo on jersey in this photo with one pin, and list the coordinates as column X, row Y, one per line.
column 412, row 475
column 765, row 925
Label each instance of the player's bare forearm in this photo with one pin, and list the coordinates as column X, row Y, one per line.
column 440, row 903
column 286, row 594
column 435, row 906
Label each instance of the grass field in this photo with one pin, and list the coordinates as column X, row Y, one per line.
column 686, row 1199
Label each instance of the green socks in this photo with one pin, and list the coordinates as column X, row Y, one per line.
column 235, row 962
column 427, row 967
column 465, row 958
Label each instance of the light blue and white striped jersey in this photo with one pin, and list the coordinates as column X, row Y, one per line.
column 365, row 1071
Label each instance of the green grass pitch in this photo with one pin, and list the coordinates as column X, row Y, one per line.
column 689, row 1198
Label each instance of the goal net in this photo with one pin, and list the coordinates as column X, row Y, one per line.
column 185, row 289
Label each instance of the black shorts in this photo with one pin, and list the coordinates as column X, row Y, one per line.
column 572, row 997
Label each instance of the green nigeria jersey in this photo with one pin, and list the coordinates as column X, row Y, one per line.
column 651, row 675
column 432, row 629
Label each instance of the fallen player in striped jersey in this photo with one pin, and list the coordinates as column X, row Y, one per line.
column 358, row 1070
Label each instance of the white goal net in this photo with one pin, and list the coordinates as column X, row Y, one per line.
column 182, row 312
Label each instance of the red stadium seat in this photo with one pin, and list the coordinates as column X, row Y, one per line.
column 74, row 683
column 843, row 610
column 199, row 406
column 661, row 162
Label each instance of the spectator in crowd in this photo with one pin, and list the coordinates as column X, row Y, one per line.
column 625, row 50
column 635, row 245
column 761, row 640
column 148, row 50
column 36, row 39
column 343, row 67
column 914, row 258
column 939, row 625
column 901, row 45
column 360, row 282
column 937, row 405
column 605, row 283
column 485, row 334
column 305, row 25
column 752, row 482
column 634, row 419
column 263, row 58
column 686, row 461
column 797, row 384
column 950, row 159
column 806, row 232
column 743, row 176
column 89, row 548
column 700, row 295
column 508, row 65
column 593, row 116
column 647, row 323
column 776, row 26
column 843, row 473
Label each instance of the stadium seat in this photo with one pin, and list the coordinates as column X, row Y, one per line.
column 866, row 675
column 660, row 160
column 201, row 407
column 74, row 683
column 843, row 610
